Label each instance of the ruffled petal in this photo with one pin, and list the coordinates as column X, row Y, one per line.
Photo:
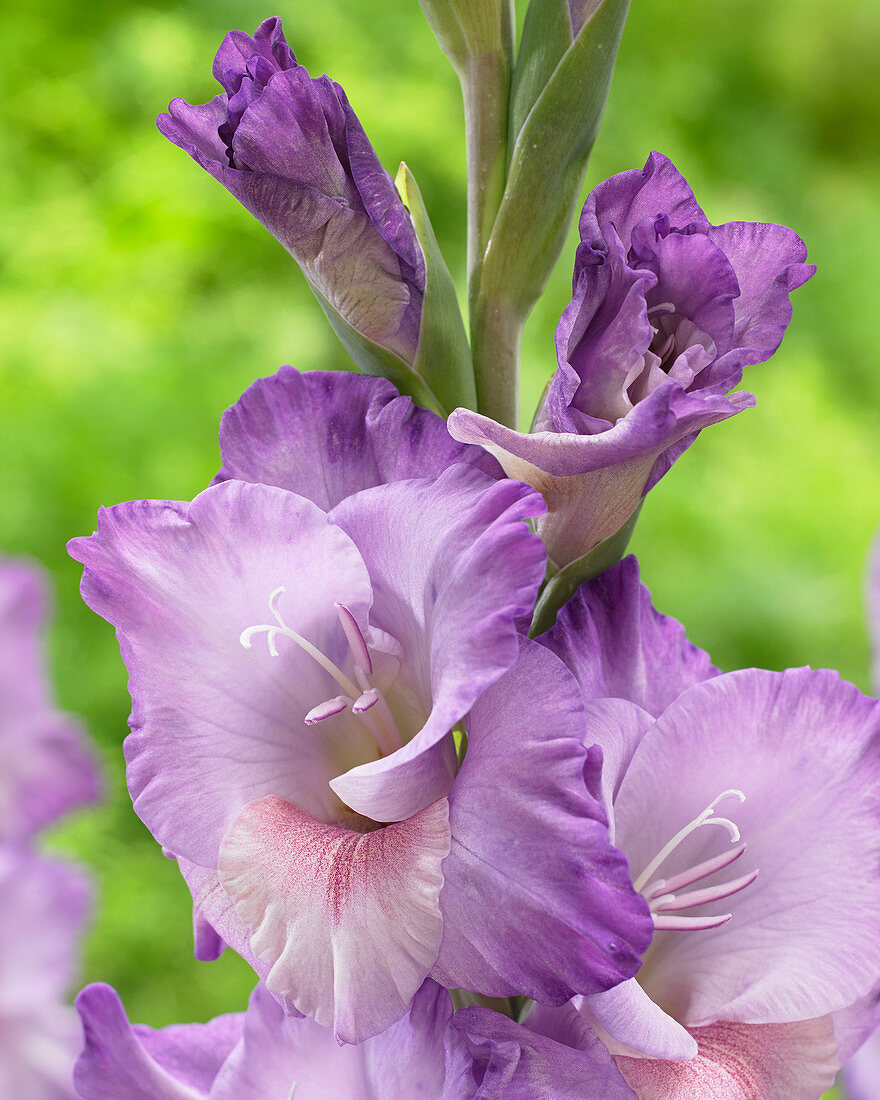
column 618, row 645
column 743, row 1062
column 215, row 725
column 554, row 1057
column 593, row 483
column 349, row 922
column 803, row 747
column 528, row 832
column 327, row 435
column 453, row 568
column 175, row 1063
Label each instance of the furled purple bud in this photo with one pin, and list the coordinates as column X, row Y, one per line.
column 292, row 151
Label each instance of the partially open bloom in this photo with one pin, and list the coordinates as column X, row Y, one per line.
column 43, row 905
column 292, row 151
column 46, row 769
column 264, row 1054
column 297, row 674
column 667, row 311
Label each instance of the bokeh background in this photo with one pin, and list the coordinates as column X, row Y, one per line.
column 137, row 300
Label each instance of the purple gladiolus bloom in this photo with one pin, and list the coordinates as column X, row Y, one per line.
column 297, row 669
column 46, row 769
column 293, row 152
column 750, row 816
column 43, row 905
column 667, row 311
column 262, row 1054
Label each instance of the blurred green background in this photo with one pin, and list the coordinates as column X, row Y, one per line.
column 138, row 300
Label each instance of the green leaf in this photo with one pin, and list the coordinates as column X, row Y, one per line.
column 443, row 360
column 372, row 358
column 562, row 586
column 551, row 146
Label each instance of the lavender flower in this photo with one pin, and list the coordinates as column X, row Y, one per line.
column 749, row 789
column 293, row 152
column 43, row 905
column 46, row 768
column 296, row 676
column 263, row 1053
column 667, row 311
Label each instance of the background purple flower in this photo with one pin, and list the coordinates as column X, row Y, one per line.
column 45, row 767
column 43, row 905
column 667, row 311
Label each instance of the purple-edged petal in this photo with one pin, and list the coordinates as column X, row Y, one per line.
column 593, row 483
column 327, row 435
column 529, row 832
column 793, row 1061
column 47, row 769
column 618, row 645
column 405, row 1061
column 175, row 1063
column 215, row 725
column 803, row 747
column 769, row 261
column 554, row 1057
column 453, row 567
column 627, row 198
column 349, row 921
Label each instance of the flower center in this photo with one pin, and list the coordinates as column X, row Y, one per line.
column 662, row 895
column 362, row 697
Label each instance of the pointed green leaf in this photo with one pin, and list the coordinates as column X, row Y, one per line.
column 443, row 360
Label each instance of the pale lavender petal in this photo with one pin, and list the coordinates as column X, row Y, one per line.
column 793, row 1061
column 629, row 1022
column 47, row 769
column 854, row 1024
column 593, row 483
column 326, row 435
column 529, row 832
column 453, row 567
column 349, row 921
column 618, row 645
column 407, row 1060
column 561, row 1059
column 175, row 1063
column 803, row 747
column 861, row 1074
column 215, row 725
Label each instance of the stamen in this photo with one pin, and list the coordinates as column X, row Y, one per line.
column 694, row 874
column 362, row 696
column 363, row 702
column 688, row 924
column 669, row 902
column 707, row 817
column 663, row 307
column 326, row 710
column 355, row 639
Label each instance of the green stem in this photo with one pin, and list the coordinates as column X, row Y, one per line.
column 496, row 332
